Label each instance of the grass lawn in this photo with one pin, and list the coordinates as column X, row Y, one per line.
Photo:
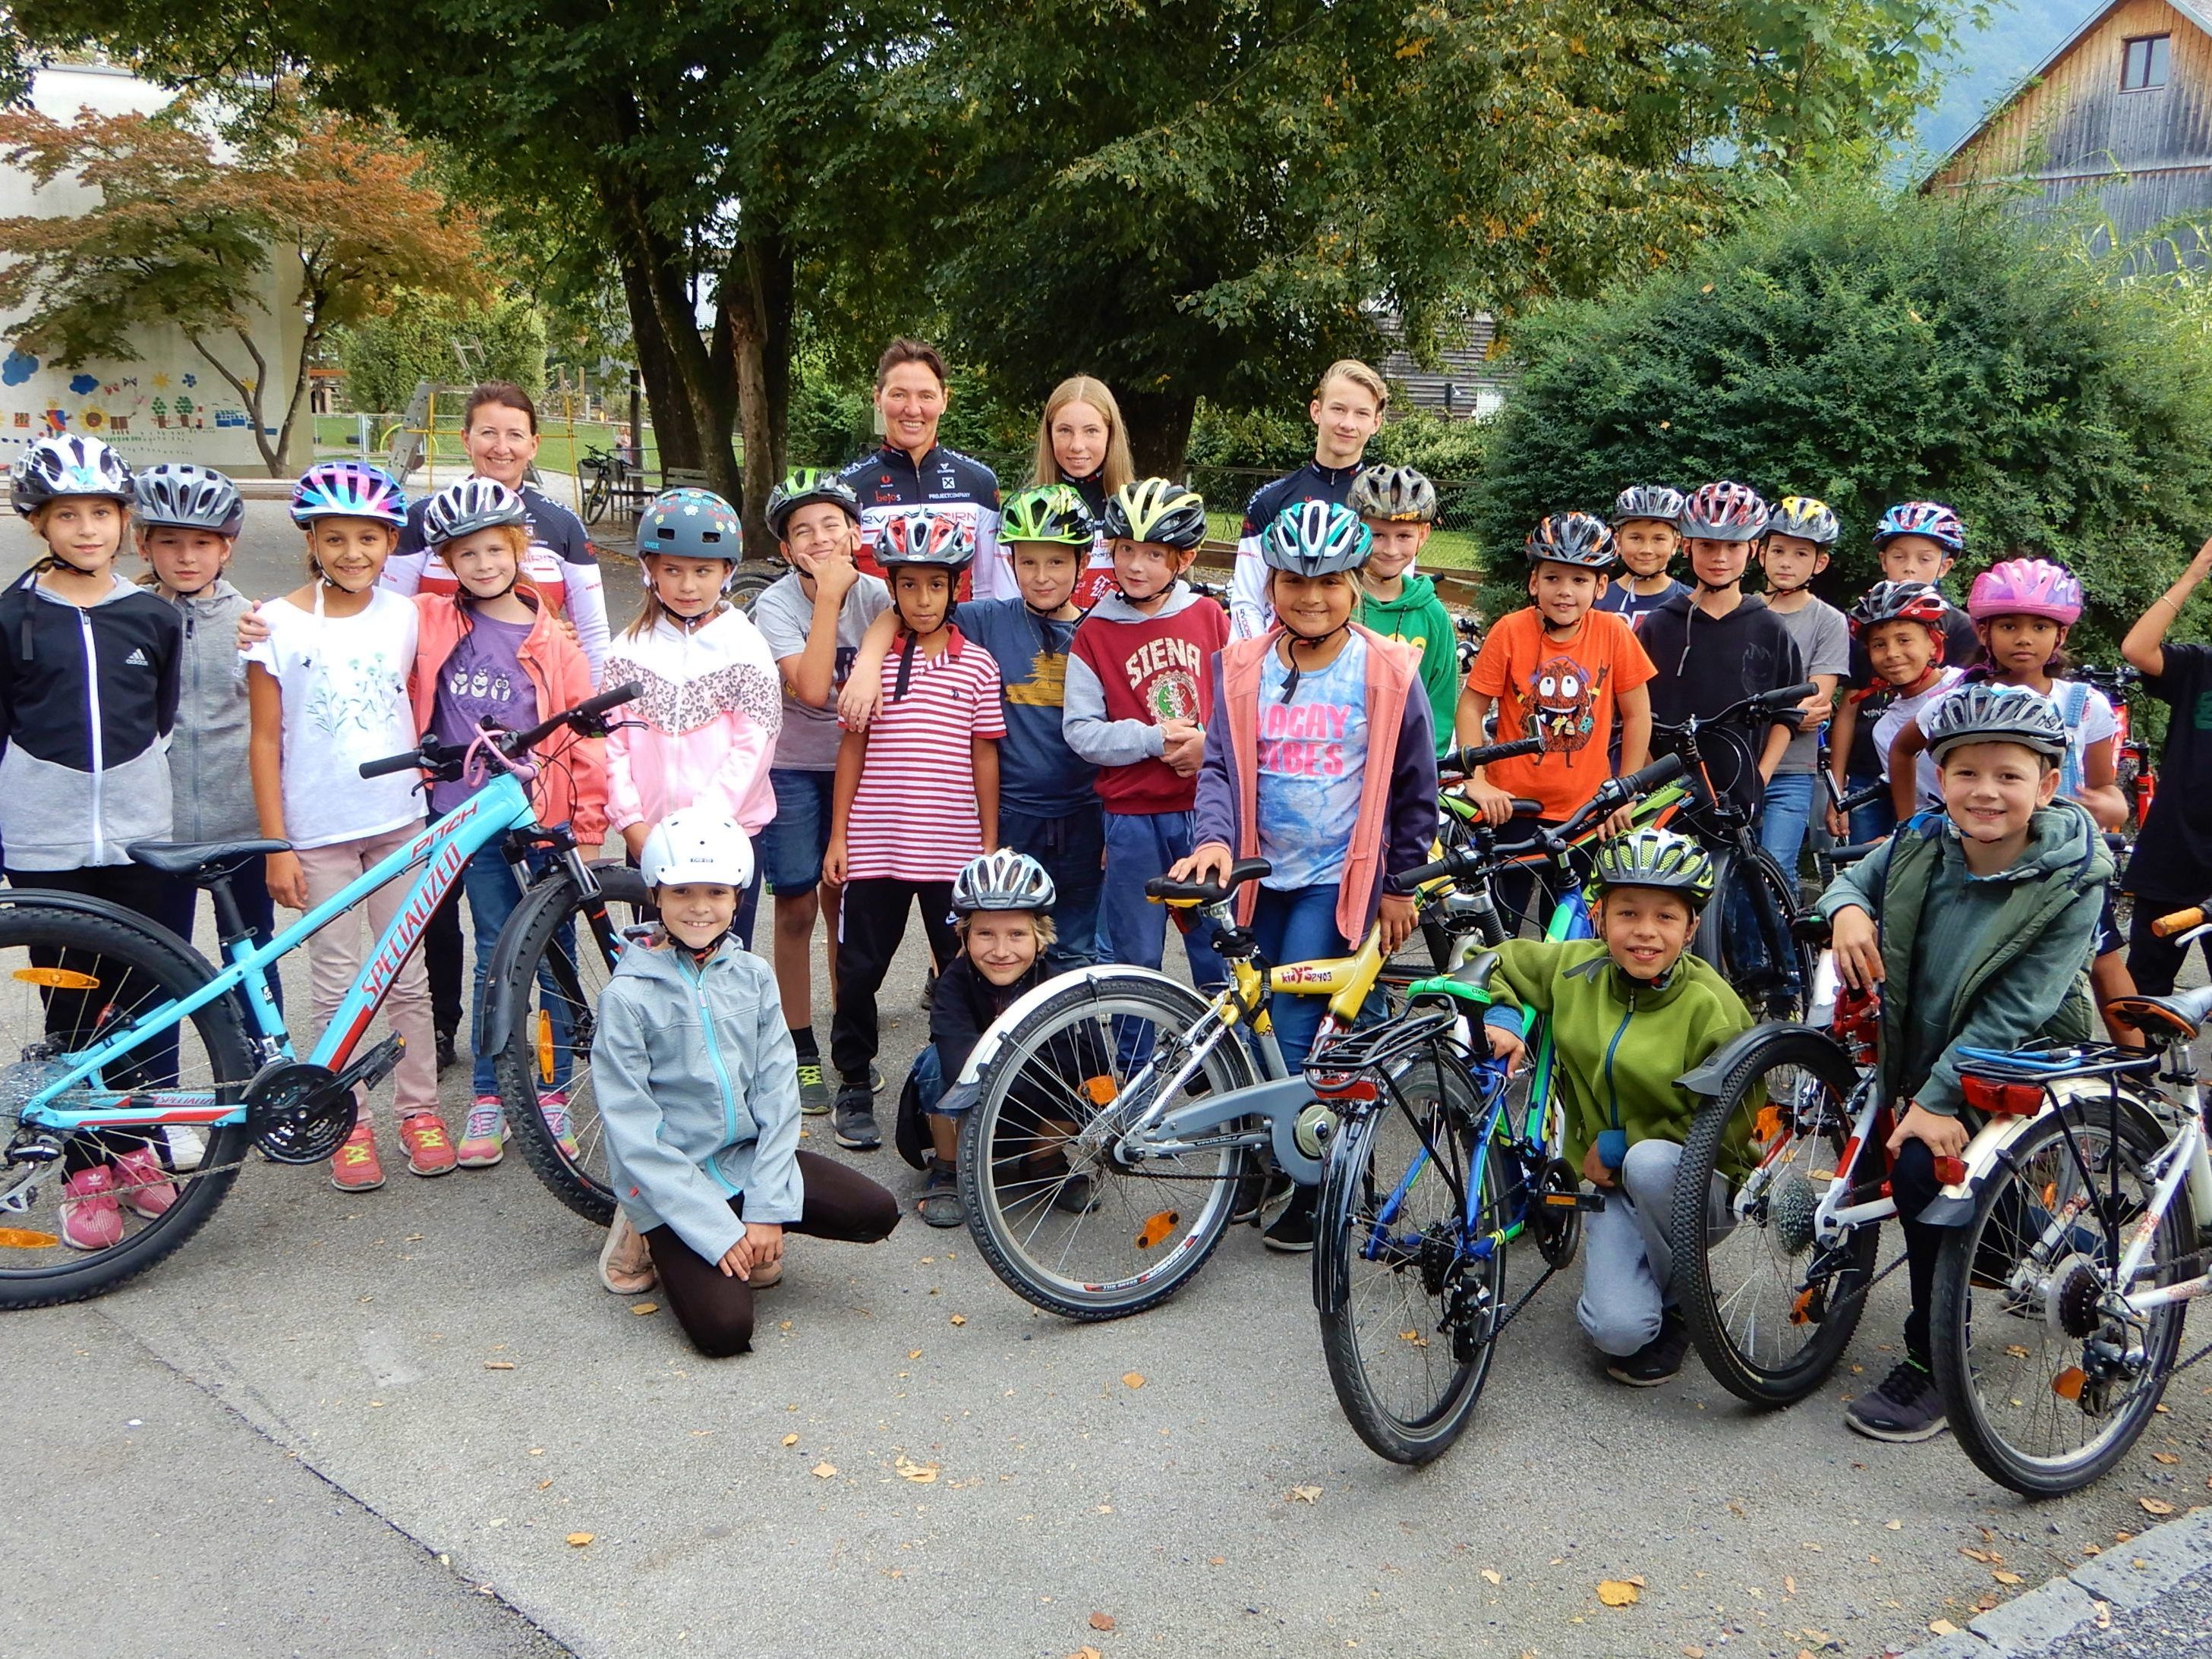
column 1448, row 549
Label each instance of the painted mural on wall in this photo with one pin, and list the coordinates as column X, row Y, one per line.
column 150, row 413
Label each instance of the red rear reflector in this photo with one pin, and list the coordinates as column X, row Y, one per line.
column 1950, row 1170
column 1346, row 1088
column 1995, row 1099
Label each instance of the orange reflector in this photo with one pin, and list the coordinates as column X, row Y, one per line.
column 57, row 979
column 544, row 1047
column 2050, row 1194
column 1802, row 1308
column 2067, row 1385
column 1950, row 1170
column 1101, row 1089
column 20, row 1238
column 1768, row 1123
column 1560, row 1200
column 1155, row 1228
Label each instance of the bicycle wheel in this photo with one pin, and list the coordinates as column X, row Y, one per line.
column 67, row 979
column 563, row 953
column 1731, row 935
column 1769, row 1310
column 2047, row 1387
column 596, row 498
column 1059, row 1217
column 1407, row 1313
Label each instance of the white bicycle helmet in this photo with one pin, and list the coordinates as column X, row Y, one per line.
column 1003, row 880
column 473, row 504
column 696, row 844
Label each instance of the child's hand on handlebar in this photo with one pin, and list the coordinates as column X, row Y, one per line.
column 1209, row 864
column 1620, row 822
column 1858, row 947
column 1494, row 803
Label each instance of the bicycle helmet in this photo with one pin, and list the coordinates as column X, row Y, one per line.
column 690, row 524
column 178, row 495
column 2025, row 587
column 473, row 504
column 1653, row 502
column 1655, row 858
column 1399, row 494
column 1931, row 519
column 1048, row 513
column 1988, row 713
column 1725, row 512
column 920, row 536
column 67, row 464
column 1003, row 880
column 1316, row 539
column 1806, row 516
column 1899, row 602
column 347, row 489
column 1155, row 510
column 804, row 485
column 696, row 844
column 1577, row 538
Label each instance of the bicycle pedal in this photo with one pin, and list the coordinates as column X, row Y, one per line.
column 373, row 1068
column 1574, row 1200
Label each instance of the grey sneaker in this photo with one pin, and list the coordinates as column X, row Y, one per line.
column 853, row 1122
column 875, row 1078
column 1907, row 1407
column 813, row 1090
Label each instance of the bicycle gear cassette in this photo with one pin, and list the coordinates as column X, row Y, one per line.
column 1791, row 1207
column 298, row 1113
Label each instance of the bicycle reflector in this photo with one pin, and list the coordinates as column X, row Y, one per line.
column 1993, row 1098
column 1344, row 1086
column 1950, row 1172
column 57, row 979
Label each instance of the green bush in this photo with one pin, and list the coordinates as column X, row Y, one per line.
column 1873, row 349
column 385, row 356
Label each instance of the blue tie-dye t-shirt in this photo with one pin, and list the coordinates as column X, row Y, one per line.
column 1312, row 751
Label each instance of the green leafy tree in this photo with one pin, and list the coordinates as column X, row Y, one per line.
column 387, row 356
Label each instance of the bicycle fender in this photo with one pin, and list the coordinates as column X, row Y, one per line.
column 1988, row 1149
column 986, row 1046
column 1706, row 1079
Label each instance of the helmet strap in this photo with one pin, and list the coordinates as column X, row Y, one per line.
column 1292, row 640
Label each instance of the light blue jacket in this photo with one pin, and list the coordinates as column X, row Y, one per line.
column 698, row 1092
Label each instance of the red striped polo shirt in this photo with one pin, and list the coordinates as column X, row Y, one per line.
column 914, row 816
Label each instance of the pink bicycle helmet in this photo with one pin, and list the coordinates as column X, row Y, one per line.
column 2025, row 587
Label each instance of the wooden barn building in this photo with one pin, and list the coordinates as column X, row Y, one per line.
column 2122, row 113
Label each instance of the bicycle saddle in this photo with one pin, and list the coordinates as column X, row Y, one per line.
column 2179, row 1016
column 1203, row 892
column 201, row 860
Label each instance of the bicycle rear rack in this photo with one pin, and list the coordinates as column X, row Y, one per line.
column 1367, row 1050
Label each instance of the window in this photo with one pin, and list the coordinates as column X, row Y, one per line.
column 2143, row 61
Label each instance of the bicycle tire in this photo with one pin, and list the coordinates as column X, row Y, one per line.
column 596, row 498
column 1710, row 942
column 1002, row 1152
column 1747, row 1375
column 580, row 1181
column 2021, row 1345
column 175, row 970
column 1451, row 1366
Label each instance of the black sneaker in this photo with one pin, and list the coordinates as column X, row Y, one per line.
column 448, row 1057
column 1907, row 1406
column 1292, row 1232
column 853, row 1120
column 1658, row 1360
column 1259, row 1192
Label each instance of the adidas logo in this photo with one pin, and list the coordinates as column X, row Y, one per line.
column 136, row 660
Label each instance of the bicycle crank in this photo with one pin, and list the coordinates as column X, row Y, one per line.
column 300, row 1113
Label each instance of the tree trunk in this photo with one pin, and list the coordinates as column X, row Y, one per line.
column 757, row 300
column 1159, row 429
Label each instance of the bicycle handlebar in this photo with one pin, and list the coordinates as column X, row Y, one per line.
column 430, row 755
column 1486, row 754
column 2179, row 922
column 1612, row 795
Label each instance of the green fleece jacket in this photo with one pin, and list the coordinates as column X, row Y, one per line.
column 1418, row 617
column 1976, row 962
column 1620, row 1042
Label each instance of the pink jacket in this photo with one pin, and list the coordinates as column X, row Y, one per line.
column 712, row 706
column 571, row 788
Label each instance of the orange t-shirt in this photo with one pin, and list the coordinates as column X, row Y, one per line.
column 1567, row 689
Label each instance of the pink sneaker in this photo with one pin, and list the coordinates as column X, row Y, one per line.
column 483, row 1137
column 144, row 1184
column 91, row 1218
column 356, row 1168
column 553, row 1107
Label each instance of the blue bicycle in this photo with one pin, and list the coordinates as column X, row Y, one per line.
column 134, row 1054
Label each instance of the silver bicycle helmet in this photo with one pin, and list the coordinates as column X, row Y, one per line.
column 67, row 464
column 473, row 504
column 1653, row 502
column 1398, row 494
column 179, row 495
column 1003, row 880
column 1656, row 857
column 1316, row 539
column 1725, row 512
column 1996, row 713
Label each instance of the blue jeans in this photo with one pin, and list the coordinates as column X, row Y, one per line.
column 1138, row 846
column 1876, row 819
column 1782, row 824
column 493, row 892
column 791, row 844
column 1297, row 924
column 1071, row 848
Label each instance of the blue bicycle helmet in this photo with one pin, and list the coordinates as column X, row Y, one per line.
column 691, row 524
column 1316, row 539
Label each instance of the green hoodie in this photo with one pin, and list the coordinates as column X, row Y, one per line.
column 1620, row 1042
column 1418, row 617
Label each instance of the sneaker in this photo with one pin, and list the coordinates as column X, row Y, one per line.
column 1076, row 1195
column 761, row 1278
column 625, row 1260
column 357, row 1168
column 1906, row 1406
column 91, row 1218
column 449, row 1055
column 813, row 1090
column 1260, row 1192
column 853, row 1122
column 144, row 1184
column 553, row 1107
column 929, row 991
column 940, row 1205
column 1292, row 1232
column 483, row 1136
column 1657, row 1360
column 429, row 1145
column 875, row 1078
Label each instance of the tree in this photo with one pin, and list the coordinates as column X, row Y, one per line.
column 1868, row 349
column 184, row 234
column 385, row 356
column 1213, row 201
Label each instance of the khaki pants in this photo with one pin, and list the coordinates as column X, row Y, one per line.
column 335, row 957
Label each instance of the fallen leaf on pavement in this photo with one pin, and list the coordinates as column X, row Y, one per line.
column 2005, row 1577
column 1492, row 1575
column 1941, row 1627
column 1693, row 1653
column 1217, row 1560
column 1895, row 1526
column 1983, row 1556
column 824, row 1471
column 578, row 1539
column 914, row 1354
column 1086, row 1653
column 642, row 1308
column 1101, row 1621
column 791, row 1440
column 1617, row 1593
column 2164, row 1457
column 1133, row 1379
column 921, row 1473
column 1789, row 1585
column 499, row 1365
column 546, row 1482
column 2103, row 1615
column 2155, row 1506
column 1304, row 1494
column 960, row 1319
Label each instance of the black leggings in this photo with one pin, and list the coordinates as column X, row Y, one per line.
column 716, row 1309
column 871, row 925
column 1912, row 1183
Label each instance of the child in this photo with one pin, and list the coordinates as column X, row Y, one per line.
column 1798, row 541
column 1646, row 532
column 917, row 794
column 1318, row 759
column 2171, row 866
column 493, row 653
column 1561, row 668
column 1048, row 807
column 89, row 672
column 1897, row 628
column 1399, row 508
column 703, row 732
column 1975, row 924
column 1136, row 707
column 328, row 690
column 1630, row 1011
column 813, row 621
column 699, row 1095
column 1346, row 411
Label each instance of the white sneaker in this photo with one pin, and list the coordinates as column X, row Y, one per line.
column 625, row 1260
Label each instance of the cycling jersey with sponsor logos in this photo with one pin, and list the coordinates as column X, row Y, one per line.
column 1249, row 614
column 887, row 480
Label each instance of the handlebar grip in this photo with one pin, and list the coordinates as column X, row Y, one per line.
column 1406, row 881
column 410, row 762
column 1645, row 779
column 612, row 699
column 1786, row 696
column 1485, row 753
column 2179, row 922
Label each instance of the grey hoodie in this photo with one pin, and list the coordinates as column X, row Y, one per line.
column 698, row 1091
column 209, row 774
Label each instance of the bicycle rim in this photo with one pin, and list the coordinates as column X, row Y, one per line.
column 1409, row 1311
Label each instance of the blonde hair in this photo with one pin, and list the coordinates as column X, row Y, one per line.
column 516, row 537
column 1351, row 369
column 1082, row 389
column 1040, row 923
column 650, row 613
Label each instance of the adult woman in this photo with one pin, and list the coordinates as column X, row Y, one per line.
column 910, row 468
column 1081, row 442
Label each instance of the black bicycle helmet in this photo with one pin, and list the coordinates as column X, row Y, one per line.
column 1576, row 538
column 1655, row 858
column 1155, row 510
column 179, row 495
column 1996, row 713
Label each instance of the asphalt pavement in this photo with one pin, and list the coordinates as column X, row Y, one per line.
column 410, row 1421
